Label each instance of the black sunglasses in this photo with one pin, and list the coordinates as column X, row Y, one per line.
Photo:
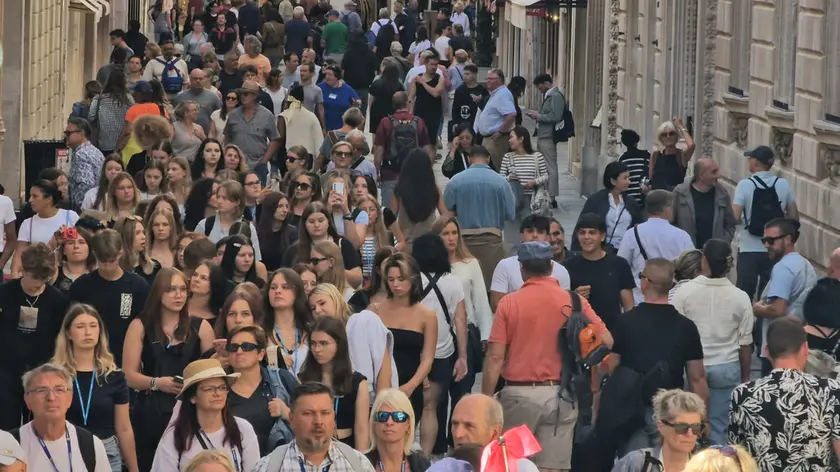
column 246, row 347
column 318, row 260
column 772, row 239
column 302, row 185
column 684, row 428
column 293, row 159
column 397, row 416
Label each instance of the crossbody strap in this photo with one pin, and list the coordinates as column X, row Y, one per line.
column 617, row 221
column 433, row 286
column 639, row 243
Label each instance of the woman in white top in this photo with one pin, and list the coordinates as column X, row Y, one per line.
column 274, row 88
column 445, row 295
column 188, row 134
column 204, row 422
column 287, row 319
column 230, row 205
column 95, row 198
column 41, row 228
column 338, row 196
column 522, row 163
column 724, row 318
column 192, row 44
column 371, row 343
column 421, row 44
column 218, row 119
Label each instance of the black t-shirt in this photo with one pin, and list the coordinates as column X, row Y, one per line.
column 463, row 106
column 255, row 411
column 651, row 333
column 274, row 247
column 63, row 281
column 28, row 325
column 607, row 276
column 117, row 302
column 107, row 393
column 704, row 214
column 351, row 256
column 137, row 163
column 264, row 99
column 460, row 42
column 229, row 82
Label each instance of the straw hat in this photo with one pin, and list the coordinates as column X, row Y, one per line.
column 202, row 370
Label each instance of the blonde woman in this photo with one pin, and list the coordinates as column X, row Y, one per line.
column 179, row 179
column 722, row 459
column 678, row 416
column 123, row 197
column 328, row 263
column 230, row 208
column 371, row 343
column 392, row 423
column 162, row 237
column 210, row 461
column 188, row 134
column 234, row 159
column 135, row 257
column 668, row 165
column 100, row 393
column 375, row 236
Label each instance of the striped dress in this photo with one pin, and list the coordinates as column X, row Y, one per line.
column 637, row 162
column 525, row 167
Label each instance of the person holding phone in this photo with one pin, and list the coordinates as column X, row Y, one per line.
column 339, row 198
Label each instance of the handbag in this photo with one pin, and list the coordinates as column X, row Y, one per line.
column 475, row 353
column 540, row 199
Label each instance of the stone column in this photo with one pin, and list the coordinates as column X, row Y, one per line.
column 11, row 92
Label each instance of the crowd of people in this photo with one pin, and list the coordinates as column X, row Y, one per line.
column 231, row 277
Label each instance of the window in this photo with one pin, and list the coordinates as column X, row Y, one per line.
column 784, row 70
column 739, row 78
column 831, row 46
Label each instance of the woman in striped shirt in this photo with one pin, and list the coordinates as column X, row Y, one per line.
column 524, row 164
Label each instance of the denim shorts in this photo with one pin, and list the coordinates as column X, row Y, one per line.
column 112, row 448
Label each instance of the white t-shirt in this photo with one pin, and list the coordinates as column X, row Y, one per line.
column 7, row 215
column 277, row 98
column 217, row 233
column 453, row 294
column 90, row 199
column 416, row 48
column 338, row 220
column 442, row 47
column 40, row 230
column 167, row 460
column 507, row 278
column 37, row 459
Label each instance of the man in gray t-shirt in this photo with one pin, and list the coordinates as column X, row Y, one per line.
column 253, row 128
column 207, row 101
column 313, row 96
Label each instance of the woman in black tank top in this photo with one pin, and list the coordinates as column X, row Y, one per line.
column 668, row 166
column 822, row 323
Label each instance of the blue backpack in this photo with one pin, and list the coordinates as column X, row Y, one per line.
column 171, row 78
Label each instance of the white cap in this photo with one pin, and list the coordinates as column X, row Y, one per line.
column 10, row 450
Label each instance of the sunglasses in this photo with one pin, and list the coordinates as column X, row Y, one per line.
column 683, row 428
column 302, row 185
column 246, row 347
column 343, row 154
column 293, row 159
column 231, row 99
column 772, row 239
column 317, row 260
column 397, row 416
column 669, row 134
column 67, row 134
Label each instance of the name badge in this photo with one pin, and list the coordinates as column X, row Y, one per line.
column 332, row 96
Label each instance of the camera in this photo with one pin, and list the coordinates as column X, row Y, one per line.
column 69, row 233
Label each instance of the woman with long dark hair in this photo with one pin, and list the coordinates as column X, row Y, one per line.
column 208, row 160
column 207, row 291
column 201, row 203
column 274, row 230
column 287, row 320
column 107, row 112
column 375, row 288
column 416, row 197
column 421, row 44
column 100, row 386
column 329, row 362
column 305, row 189
column 218, row 119
column 238, row 264
column 524, row 165
column 381, row 94
column 205, row 422
column 243, row 307
column 158, row 346
column 95, row 198
column 153, row 180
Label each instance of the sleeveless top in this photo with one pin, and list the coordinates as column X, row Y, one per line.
column 668, row 171
column 345, row 409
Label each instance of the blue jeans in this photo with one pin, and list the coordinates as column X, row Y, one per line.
column 112, row 448
column 387, row 192
column 722, row 378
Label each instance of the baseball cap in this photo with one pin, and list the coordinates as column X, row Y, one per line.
column 332, row 13
column 143, row 86
column 534, row 251
column 10, row 450
column 762, row 154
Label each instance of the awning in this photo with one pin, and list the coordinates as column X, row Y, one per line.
column 518, row 12
column 97, row 7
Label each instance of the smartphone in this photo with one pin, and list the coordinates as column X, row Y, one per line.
column 220, row 344
column 69, row 233
column 178, row 379
column 272, row 355
column 338, row 187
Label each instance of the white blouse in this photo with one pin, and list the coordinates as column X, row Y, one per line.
column 618, row 220
column 475, row 295
column 167, row 459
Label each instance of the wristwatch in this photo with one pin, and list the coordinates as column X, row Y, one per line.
column 348, row 217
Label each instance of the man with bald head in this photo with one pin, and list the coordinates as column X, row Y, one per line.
column 703, row 207
column 207, row 101
column 834, row 264
column 479, row 419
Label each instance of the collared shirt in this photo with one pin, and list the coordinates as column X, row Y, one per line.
column 659, row 239
column 335, row 461
column 252, row 136
column 743, row 198
column 463, row 20
column 481, row 197
column 492, row 116
column 791, row 279
column 85, row 171
column 521, row 324
column 618, row 220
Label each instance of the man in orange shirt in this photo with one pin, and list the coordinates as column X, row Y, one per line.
column 523, row 349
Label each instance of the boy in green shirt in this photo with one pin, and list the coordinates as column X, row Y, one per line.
column 334, row 37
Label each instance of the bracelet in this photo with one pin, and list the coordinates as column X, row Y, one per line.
column 154, row 384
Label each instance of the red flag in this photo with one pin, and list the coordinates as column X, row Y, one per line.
column 501, row 455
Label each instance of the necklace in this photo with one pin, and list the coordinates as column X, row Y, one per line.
column 32, row 303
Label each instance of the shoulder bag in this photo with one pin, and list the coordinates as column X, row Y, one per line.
column 540, row 199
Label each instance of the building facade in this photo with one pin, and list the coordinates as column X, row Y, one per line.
column 740, row 73
column 49, row 49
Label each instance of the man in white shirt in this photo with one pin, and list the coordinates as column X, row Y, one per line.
column 49, row 441
column 176, row 78
column 654, row 238
column 507, row 277
column 442, row 46
column 8, row 237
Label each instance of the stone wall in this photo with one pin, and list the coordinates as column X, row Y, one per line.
column 807, row 146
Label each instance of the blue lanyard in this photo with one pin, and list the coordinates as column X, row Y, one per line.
column 85, row 406
column 303, row 468
column 47, row 451
column 233, row 453
column 282, row 345
column 382, row 469
column 336, row 407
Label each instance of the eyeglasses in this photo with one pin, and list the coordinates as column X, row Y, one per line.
column 67, row 134
column 728, row 451
column 342, row 154
column 397, row 416
column 317, row 260
column 246, row 347
column 45, row 391
column 302, row 185
column 217, row 389
column 770, row 240
column 683, row 428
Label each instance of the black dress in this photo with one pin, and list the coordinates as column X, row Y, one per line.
column 428, row 107
column 408, row 348
column 345, row 410
column 384, row 103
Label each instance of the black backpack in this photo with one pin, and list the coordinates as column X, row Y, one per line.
column 565, row 129
column 384, row 39
column 86, row 446
column 404, row 139
column 765, row 206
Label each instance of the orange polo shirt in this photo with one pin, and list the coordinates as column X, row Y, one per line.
column 527, row 322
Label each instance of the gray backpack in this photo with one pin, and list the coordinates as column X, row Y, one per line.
column 276, row 458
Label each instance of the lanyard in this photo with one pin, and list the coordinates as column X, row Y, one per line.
column 303, row 468
column 47, row 451
column 85, row 406
column 283, row 345
column 382, row 469
column 233, row 453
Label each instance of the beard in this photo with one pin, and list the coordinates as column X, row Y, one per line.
column 314, row 444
